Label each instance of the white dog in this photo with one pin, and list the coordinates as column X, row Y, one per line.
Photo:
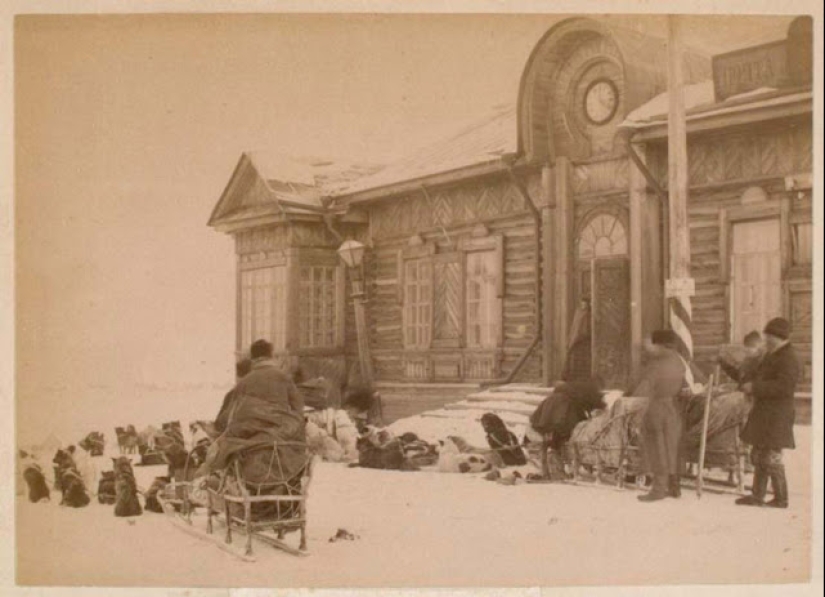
column 452, row 460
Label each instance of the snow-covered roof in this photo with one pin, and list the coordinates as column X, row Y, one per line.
column 700, row 102
column 268, row 184
column 325, row 176
column 483, row 141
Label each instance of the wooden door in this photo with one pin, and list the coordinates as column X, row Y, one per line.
column 610, row 320
column 756, row 276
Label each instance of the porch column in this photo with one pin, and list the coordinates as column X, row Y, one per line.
column 547, row 277
column 562, row 295
column 637, row 192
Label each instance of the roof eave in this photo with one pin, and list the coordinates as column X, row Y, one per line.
column 723, row 118
column 231, row 226
column 486, row 168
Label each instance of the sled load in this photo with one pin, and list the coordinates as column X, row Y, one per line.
column 261, row 469
column 609, row 443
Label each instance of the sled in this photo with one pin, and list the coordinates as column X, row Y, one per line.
column 611, row 455
column 201, row 535
column 174, row 499
column 242, row 506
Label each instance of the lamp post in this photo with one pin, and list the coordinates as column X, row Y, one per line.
column 352, row 254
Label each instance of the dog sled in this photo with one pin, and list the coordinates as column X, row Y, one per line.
column 607, row 447
column 260, row 472
column 266, row 511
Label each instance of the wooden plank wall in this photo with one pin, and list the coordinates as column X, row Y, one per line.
column 722, row 167
column 442, row 217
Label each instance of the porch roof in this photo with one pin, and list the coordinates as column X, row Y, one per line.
column 700, row 104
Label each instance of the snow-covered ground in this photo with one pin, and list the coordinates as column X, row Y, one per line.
column 440, row 529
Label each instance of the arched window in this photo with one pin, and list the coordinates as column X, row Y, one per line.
column 603, row 236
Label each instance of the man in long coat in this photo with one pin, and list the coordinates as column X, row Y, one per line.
column 769, row 429
column 661, row 429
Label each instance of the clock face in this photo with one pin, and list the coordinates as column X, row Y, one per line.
column 601, row 101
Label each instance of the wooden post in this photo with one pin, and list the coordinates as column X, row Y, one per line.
column 364, row 358
column 548, row 278
column 703, row 440
column 563, row 269
column 638, row 192
column 359, row 304
column 680, row 287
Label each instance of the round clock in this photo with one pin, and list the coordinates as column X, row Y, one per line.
column 601, row 101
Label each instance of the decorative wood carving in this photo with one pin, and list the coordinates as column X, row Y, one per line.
column 447, row 299
column 471, row 202
column 600, row 176
column 262, row 239
column 749, row 155
column 311, row 235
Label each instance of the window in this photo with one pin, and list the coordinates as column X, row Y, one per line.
column 482, row 304
column 417, row 303
column 452, row 299
column 317, row 312
column 263, row 306
column 802, row 243
column 603, row 236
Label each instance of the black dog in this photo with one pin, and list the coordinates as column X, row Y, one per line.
column 126, row 500
column 152, row 502
column 93, row 443
column 71, row 483
column 502, row 440
column 106, row 493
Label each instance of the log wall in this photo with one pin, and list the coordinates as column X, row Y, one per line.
column 722, row 166
column 443, row 217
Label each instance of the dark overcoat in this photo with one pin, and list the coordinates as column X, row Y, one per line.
column 661, row 429
column 770, row 423
column 568, row 405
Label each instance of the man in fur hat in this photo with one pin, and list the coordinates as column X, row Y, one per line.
column 770, row 424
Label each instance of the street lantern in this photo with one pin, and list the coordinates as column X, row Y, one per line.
column 352, row 252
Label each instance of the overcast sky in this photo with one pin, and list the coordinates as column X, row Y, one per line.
column 128, row 128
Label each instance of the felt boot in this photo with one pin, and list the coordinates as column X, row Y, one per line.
column 780, row 487
column 658, row 491
column 760, row 487
column 674, row 486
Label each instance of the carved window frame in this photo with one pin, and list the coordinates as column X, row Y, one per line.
column 428, row 252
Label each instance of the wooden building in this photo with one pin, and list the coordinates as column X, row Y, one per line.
column 480, row 248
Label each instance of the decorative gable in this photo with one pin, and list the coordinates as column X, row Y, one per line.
column 251, row 199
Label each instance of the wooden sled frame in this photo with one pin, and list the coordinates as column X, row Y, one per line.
column 736, row 485
column 171, row 504
column 574, row 458
column 219, row 502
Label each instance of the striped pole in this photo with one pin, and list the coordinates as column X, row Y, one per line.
column 680, row 286
column 681, row 323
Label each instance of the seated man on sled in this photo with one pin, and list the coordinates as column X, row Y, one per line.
column 264, row 412
column 556, row 417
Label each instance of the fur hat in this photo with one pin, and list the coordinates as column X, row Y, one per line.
column 260, row 349
column 778, row 327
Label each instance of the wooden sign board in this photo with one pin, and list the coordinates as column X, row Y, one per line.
column 751, row 68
